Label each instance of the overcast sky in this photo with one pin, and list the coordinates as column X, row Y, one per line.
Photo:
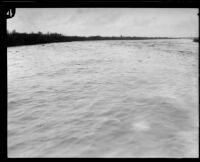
column 107, row 21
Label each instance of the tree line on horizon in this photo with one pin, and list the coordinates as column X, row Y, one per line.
column 16, row 39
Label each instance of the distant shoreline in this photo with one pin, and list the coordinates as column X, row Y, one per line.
column 90, row 40
column 22, row 39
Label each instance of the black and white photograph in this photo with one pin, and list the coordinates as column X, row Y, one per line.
column 102, row 82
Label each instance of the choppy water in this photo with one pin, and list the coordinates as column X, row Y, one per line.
column 103, row 99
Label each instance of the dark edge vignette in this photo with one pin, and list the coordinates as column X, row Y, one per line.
column 102, row 3
column 3, row 83
column 65, row 4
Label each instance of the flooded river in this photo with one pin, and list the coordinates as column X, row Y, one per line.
column 103, row 99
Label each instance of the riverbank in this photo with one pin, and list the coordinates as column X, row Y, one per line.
column 21, row 39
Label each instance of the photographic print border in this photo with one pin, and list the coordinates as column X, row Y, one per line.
column 4, row 5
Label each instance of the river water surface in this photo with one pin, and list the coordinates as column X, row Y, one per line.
column 103, row 99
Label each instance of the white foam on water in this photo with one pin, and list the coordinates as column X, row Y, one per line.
column 141, row 126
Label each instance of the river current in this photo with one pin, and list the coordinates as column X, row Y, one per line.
column 103, row 99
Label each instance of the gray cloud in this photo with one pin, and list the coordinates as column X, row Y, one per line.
column 107, row 21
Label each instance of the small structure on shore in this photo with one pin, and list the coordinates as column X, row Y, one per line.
column 196, row 39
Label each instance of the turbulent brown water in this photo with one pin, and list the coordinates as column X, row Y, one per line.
column 103, row 99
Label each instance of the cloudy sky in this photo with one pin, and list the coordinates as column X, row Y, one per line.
column 107, row 21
